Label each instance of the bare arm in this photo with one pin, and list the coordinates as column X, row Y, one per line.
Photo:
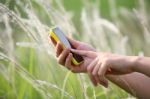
column 142, row 65
column 131, row 73
column 136, row 84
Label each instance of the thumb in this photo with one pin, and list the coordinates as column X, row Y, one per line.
column 83, row 52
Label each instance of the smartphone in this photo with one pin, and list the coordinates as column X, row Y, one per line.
column 59, row 36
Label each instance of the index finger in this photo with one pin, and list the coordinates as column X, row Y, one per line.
column 93, row 80
column 73, row 42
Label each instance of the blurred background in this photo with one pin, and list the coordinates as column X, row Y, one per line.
column 28, row 66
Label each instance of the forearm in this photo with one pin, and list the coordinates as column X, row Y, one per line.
column 135, row 83
column 142, row 65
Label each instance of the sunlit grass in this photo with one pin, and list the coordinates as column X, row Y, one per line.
column 28, row 67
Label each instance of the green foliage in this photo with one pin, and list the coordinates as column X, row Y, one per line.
column 28, row 68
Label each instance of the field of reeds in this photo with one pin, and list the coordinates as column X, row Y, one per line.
column 28, row 66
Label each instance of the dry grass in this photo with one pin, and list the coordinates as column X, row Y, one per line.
column 28, row 68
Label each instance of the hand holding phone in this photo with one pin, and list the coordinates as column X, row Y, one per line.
column 58, row 36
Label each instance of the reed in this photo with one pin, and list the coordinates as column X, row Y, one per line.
column 28, row 67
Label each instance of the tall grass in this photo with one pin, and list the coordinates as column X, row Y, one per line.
column 28, row 67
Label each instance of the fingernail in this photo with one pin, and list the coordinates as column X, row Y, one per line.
column 106, row 85
column 72, row 49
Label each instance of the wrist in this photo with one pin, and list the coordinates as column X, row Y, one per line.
column 135, row 63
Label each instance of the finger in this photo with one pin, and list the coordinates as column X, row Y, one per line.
column 69, row 65
column 62, row 56
column 79, row 52
column 73, row 42
column 49, row 39
column 101, row 73
column 91, row 66
column 75, row 69
column 68, row 60
column 95, row 73
column 58, row 49
column 93, row 80
column 53, row 41
column 103, row 84
column 96, row 68
column 83, row 52
column 96, row 78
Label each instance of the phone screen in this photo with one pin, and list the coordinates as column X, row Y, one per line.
column 62, row 37
column 66, row 43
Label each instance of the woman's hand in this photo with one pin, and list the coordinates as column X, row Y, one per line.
column 107, row 63
column 64, row 57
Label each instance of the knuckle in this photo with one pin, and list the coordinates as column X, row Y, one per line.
column 66, row 51
column 89, row 69
column 99, row 74
column 63, row 53
column 59, row 61
column 106, row 60
column 94, row 74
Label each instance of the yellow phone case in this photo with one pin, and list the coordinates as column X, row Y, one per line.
column 57, row 39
